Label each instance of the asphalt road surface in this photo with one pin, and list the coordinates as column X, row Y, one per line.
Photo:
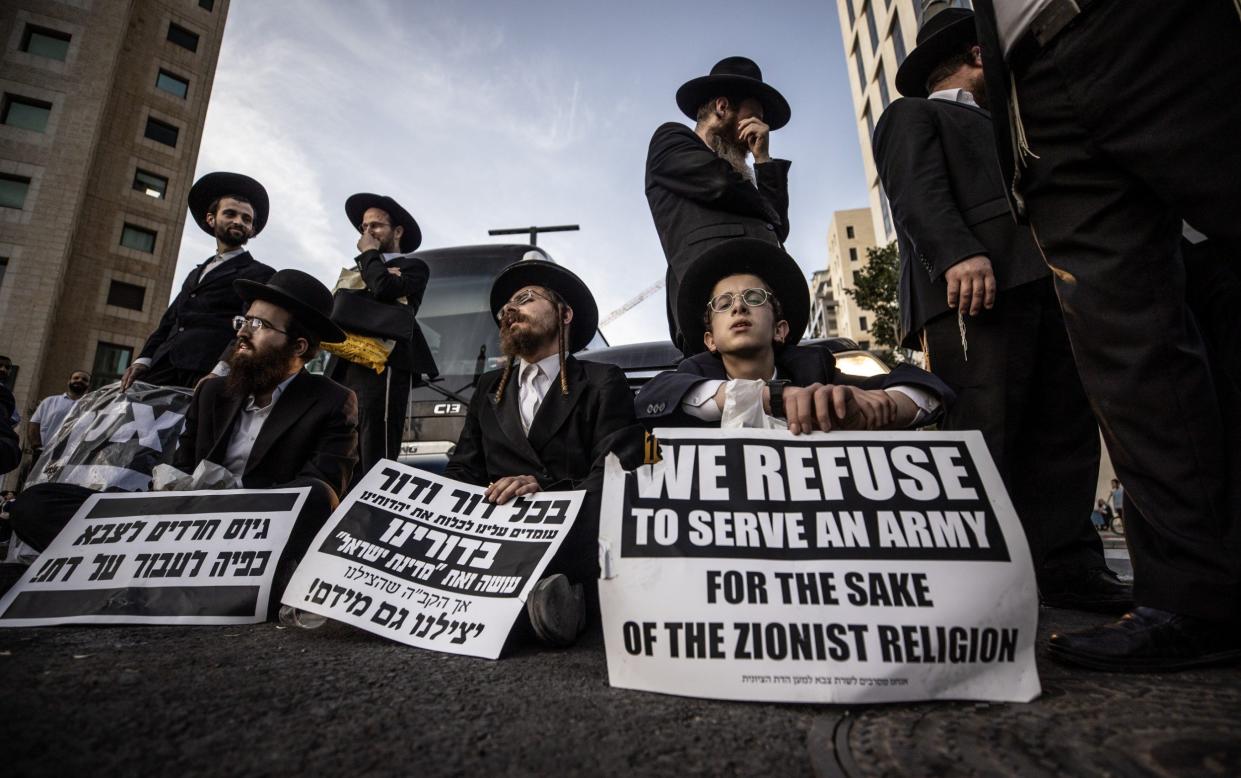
column 266, row 700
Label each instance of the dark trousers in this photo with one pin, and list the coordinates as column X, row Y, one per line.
column 164, row 374
column 1134, row 116
column 1019, row 387
column 379, row 395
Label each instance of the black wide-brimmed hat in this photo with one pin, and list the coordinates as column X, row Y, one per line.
column 735, row 76
column 562, row 281
column 944, row 32
column 742, row 255
column 213, row 186
column 299, row 293
column 357, row 205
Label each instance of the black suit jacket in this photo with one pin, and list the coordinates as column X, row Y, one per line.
column 311, row 433
column 197, row 329
column 569, row 438
column 937, row 162
column 698, row 200
column 659, row 401
column 411, row 353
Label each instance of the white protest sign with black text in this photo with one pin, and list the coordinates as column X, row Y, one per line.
column 204, row 557
column 835, row 568
column 426, row 561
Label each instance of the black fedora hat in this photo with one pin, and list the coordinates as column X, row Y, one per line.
column 357, row 205
column 299, row 293
column 944, row 32
column 735, row 76
column 742, row 255
column 561, row 280
column 213, row 186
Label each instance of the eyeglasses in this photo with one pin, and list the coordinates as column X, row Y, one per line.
column 520, row 299
column 366, row 226
column 751, row 297
column 254, row 323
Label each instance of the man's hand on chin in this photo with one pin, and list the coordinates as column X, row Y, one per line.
column 510, row 486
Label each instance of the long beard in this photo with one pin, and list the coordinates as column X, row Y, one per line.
column 733, row 152
column 257, row 372
column 527, row 342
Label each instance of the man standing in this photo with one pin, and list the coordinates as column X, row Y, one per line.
column 978, row 299
column 547, row 422
column 1115, row 122
column 386, row 307
column 698, row 185
column 749, row 304
column 195, row 332
column 53, row 410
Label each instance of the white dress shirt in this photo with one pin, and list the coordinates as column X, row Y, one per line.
column 249, row 424
column 699, row 401
column 534, row 379
column 957, row 95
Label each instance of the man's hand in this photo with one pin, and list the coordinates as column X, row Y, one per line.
column 396, row 271
column 511, row 486
column 829, row 407
column 204, row 380
column 367, row 242
column 132, row 373
column 755, row 135
column 971, row 283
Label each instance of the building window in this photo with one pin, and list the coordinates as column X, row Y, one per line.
column 870, row 25
column 882, row 77
column 4, row 267
column 174, row 85
column 131, row 296
column 110, row 363
column 13, row 191
column 849, row 231
column 138, row 239
column 898, row 39
column 864, row 345
column 25, row 112
column 163, row 132
column 852, row 252
column 182, row 37
column 861, row 320
column 852, row 16
column 43, row 42
column 207, row 5
column 870, row 123
column 150, row 184
column 861, row 69
column 857, row 277
column 887, row 212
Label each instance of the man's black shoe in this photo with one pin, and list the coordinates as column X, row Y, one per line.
column 557, row 610
column 1097, row 590
column 1149, row 640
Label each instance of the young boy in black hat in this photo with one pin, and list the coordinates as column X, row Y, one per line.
column 698, row 185
column 749, row 304
column 196, row 330
column 547, row 421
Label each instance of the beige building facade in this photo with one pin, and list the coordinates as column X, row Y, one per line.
column 849, row 235
column 102, row 116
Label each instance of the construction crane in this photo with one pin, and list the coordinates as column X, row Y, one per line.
column 633, row 302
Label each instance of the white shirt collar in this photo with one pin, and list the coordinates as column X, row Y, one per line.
column 957, row 95
column 550, row 366
column 275, row 395
column 230, row 254
column 390, row 257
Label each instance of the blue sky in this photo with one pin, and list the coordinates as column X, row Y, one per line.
column 476, row 115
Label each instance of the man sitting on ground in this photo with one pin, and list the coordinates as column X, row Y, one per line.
column 750, row 305
column 547, row 422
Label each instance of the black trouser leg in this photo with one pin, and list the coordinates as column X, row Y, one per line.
column 1133, row 116
column 1017, row 384
column 377, row 439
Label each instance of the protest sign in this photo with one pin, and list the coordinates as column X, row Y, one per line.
column 426, row 561
column 836, row 568
column 159, row 558
column 114, row 439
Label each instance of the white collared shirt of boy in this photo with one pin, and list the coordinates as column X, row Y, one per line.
column 743, row 402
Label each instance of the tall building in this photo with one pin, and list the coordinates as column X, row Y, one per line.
column 877, row 34
column 849, row 235
column 822, row 306
column 102, row 115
